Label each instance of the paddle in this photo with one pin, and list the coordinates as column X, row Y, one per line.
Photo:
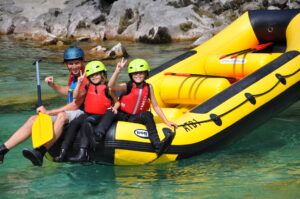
column 252, row 49
column 42, row 130
column 257, row 48
column 197, row 75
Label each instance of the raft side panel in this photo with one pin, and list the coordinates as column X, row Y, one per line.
column 244, row 83
column 228, row 135
column 242, row 127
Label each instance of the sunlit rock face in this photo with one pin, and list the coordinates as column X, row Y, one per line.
column 151, row 21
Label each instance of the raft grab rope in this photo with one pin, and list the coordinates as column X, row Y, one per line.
column 249, row 97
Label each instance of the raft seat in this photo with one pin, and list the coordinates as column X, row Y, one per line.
column 184, row 92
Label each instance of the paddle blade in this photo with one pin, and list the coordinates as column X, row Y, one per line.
column 262, row 46
column 42, row 130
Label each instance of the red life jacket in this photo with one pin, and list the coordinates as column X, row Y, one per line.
column 137, row 99
column 70, row 79
column 96, row 100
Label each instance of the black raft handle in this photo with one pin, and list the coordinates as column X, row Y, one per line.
column 216, row 119
column 250, row 98
column 281, row 78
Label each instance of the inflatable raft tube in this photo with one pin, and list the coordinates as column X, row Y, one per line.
column 214, row 111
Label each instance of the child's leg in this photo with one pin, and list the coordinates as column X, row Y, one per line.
column 88, row 130
column 104, row 124
column 70, row 135
column 72, row 131
column 85, row 134
column 146, row 118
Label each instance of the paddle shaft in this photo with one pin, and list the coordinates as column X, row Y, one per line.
column 197, row 75
column 42, row 129
column 39, row 93
column 255, row 48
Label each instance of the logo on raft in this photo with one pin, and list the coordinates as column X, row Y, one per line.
column 142, row 133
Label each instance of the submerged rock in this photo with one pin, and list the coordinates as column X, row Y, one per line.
column 116, row 51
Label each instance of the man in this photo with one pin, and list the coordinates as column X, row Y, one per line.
column 74, row 61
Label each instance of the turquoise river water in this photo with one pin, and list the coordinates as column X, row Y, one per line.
column 264, row 164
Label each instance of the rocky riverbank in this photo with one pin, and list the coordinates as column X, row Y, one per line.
column 155, row 21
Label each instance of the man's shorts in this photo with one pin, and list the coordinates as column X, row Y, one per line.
column 71, row 114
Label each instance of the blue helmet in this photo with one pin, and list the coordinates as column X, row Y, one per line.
column 73, row 53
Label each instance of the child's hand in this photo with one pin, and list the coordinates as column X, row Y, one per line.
column 171, row 124
column 81, row 77
column 49, row 80
column 120, row 65
column 114, row 110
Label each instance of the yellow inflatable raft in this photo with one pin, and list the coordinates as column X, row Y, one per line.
column 217, row 91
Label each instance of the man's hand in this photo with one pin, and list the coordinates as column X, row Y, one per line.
column 42, row 109
column 49, row 80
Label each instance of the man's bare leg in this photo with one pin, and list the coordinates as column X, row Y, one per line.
column 36, row 155
column 22, row 134
column 58, row 127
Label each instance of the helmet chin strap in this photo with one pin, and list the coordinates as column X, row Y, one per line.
column 97, row 84
column 138, row 84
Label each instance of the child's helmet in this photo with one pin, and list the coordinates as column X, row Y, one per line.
column 94, row 67
column 73, row 53
column 138, row 65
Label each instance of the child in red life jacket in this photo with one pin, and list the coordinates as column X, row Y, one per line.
column 135, row 103
column 97, row 99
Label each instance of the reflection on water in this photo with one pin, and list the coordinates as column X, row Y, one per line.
column 264, row 164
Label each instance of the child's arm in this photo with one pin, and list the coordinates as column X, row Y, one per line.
column 158, row 110
column 112, row 82
column 116, row 101
column 76, row 91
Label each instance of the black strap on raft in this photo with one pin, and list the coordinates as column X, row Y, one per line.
column 216, row 119
column 281, row 78
column 250, row 98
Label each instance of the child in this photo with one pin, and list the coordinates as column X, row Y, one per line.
column 97, row 101
column 135, row 104
column 74, row 61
